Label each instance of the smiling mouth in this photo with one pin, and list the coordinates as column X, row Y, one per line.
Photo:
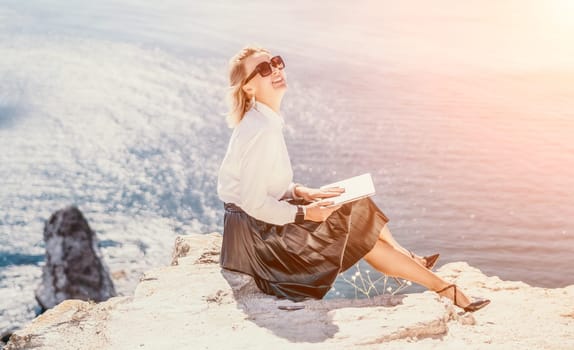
column 277, row 81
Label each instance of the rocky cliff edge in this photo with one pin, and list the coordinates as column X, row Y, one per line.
column 193, row 304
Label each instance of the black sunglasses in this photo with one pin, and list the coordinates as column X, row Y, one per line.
column 265, row 69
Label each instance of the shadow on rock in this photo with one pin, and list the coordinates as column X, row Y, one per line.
column 307, row 321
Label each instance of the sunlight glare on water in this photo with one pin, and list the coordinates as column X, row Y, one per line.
column 462, row 111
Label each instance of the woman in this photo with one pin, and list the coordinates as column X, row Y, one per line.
column 296, row 251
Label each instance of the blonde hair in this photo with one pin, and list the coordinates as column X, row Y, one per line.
column 239, row 102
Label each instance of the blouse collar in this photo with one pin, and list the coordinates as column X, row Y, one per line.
column 270, row 114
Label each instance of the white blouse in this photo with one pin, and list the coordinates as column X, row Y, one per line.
column 256, row 172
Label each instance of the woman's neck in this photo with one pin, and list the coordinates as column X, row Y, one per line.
column 274, row 104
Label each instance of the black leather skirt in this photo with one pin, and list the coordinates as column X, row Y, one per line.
column 298, row 261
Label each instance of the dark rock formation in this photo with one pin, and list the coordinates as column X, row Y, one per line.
column 73, row 269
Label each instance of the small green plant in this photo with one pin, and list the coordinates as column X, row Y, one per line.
column 368, row 287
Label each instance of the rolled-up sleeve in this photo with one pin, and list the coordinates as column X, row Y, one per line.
column 259, row 157
column 290, row 193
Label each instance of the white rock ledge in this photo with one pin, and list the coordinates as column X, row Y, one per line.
column 193, row 304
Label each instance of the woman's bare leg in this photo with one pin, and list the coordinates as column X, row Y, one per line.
column 386, row 236
column 392, row 262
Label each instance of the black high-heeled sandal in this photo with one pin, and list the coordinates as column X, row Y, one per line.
column 472, row 307
column 430, row 261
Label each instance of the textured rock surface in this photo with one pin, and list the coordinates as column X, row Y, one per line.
column 73, row 268
column 194, row 305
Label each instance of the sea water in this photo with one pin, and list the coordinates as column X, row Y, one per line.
column 462, row 113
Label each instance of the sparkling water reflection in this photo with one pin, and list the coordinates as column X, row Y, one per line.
column 465, row 120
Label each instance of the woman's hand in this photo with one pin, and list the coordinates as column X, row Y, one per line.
column 319, row 211
column 313, row 194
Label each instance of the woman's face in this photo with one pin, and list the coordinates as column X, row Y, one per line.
column 265, row 89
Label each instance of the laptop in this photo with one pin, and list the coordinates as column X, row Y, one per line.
column 356, row 188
